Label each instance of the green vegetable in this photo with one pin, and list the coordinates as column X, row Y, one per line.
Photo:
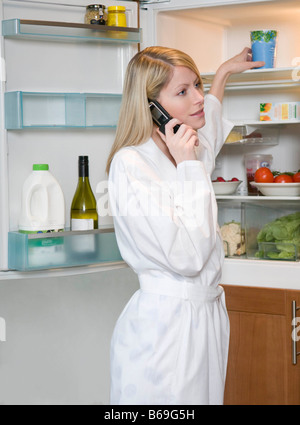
column 284, row 232
column 278, row 173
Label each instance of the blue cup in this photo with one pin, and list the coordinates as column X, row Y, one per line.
column 263, row 44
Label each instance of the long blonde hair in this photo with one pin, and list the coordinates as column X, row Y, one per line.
column 147, row 73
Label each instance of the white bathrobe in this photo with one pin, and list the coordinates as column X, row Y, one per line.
column 170, row 343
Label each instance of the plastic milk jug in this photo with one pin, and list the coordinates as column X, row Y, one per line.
column 43, row 205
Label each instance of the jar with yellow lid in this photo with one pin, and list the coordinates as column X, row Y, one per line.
column 116, row 16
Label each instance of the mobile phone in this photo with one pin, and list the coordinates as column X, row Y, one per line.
column 160, row 116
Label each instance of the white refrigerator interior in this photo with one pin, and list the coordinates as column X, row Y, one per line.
column 212, row 32
column 62, row 89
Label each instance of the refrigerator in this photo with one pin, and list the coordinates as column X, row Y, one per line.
column 61, row 87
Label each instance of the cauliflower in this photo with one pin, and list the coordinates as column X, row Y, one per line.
column 234, row 239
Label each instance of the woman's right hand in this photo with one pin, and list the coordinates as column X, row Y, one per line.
column 181, row 144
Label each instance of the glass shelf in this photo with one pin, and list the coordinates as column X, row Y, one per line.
column 255, row 78
column 259, row 198
column 257, row 123
column 51, row 110
column 62, row 249
column 23, row 28
column 261, row 141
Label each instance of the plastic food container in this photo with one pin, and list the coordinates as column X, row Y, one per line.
column 263, row 46
column 232, row 227
column 116, row 16
column 252, row 163
column 271, row 230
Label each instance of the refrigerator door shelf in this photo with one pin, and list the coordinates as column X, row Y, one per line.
column 52, row 110
column 65, row 31
column 27, row 252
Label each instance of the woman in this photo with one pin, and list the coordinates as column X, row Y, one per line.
column 170, row 343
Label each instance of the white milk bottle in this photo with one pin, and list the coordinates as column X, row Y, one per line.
column 43, row 211
column 43, row 204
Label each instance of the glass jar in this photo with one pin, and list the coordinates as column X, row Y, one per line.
column 95, row 14
column 116, row 16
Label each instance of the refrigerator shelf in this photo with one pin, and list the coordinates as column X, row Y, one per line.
column 60, row 110
column 38, row 251
column 260, row 141
column 260, row 198
column 259, row 78
column 24, row 28
column 266, row 123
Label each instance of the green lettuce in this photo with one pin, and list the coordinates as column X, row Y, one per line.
column 284, row 232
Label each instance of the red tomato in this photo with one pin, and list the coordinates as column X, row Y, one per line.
column 283, row 178
column 296, row 177
column 263, row 175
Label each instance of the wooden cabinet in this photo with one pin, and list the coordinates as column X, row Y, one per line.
column 260, row 368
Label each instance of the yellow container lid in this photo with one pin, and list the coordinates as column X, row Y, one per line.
column 116, row 9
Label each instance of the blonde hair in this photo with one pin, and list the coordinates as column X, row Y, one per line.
column 147, row 73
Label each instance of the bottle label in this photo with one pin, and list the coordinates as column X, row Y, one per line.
column 82, row 224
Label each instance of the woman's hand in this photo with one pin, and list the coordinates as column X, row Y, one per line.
column 239, row 63
column 181, row 144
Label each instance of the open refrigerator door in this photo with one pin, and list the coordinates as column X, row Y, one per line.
column 61, row 86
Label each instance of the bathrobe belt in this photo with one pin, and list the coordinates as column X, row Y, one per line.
column 180, row 289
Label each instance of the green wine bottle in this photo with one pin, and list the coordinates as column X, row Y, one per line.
column 84, row 214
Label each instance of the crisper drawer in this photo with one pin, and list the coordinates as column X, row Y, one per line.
column 62, row 249
column 272, row 230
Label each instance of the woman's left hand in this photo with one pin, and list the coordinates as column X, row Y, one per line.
column 239, row 63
